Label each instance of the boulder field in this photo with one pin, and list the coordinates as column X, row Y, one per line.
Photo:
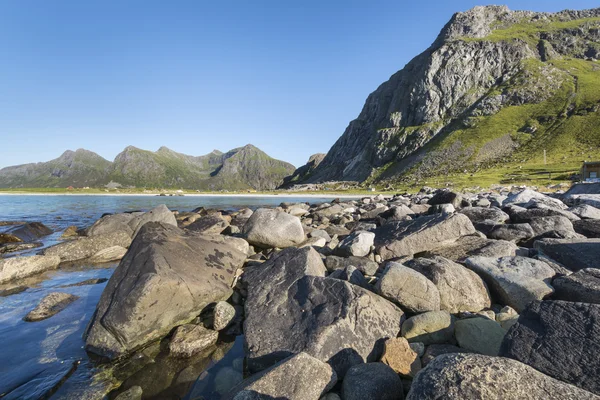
column 419, row 296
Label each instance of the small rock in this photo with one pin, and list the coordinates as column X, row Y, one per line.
column 189, row 340
column 399, row 356
column 50, row 305
column 224, row 313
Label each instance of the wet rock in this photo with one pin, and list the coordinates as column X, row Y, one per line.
column 514, row 281
column 13, row 290
column 34, row 380
column 298, row 377
column 226, row 378
column 8, row 238
column 133, row 393
column 405, row 238
column 332, row 320
column 30, row 231
column 166, row 279
column 94, row 281
column 86, row 247
column 399, row 356
column 21, row 267
column 189, row 340
column 50, row 305
column 224, row 314
column 429, row 328
column 582, row 286
column 70, row 232
column 356, row 244
column 559, row 339
column 435, row 350
column 411, row 290
column 210, row 224
column 12, row 247
column 480, row 335
column 372, row 381
column 271, row 228
column 480, row 214
column 460, row 289
column 574, row 254
column 113, row 253
column 363, row 264
column 474, row 376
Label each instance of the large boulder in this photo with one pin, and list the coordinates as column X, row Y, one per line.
column 446, row 197
column 468, row 246
column 292, row 308
column 112, row 223
column 480, row 214
column 298, row 377
column 557, row 223
column 583, row 286
column 405, row 238
column 165, row 280
column 589, row 228
column 21, row 267
column 158, row 214
column 460, row 289
column 514, row 281
column 356, row 244
column 474, row 376
column 210, row 224
column 372, row 381
column 574, row 254
column 429, row 328
column 411, row 290
column 511, row 232
column 525, row 196
column 585, row 211
column 559, row 339
column 86, row 247
column 480, row 334
column 272, row 228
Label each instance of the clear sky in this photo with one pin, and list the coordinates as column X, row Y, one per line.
column 286, row 76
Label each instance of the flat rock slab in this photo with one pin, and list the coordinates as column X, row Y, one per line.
column 86, row 247
column 292, row 308
column 165, row 280
column 405, row 238
column 298, row 377
column 50, row 305
column 582, row 286
column 460, row 288
column 574, row 254
column 514, row 281
column 474, row 376
column 560, row 339
column 21, row 267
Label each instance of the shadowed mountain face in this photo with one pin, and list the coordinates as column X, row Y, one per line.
column 493, row 89
column 243, row 168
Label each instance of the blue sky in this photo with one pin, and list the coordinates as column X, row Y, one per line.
column 286, row 76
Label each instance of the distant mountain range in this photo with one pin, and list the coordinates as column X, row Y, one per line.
column 242, row 168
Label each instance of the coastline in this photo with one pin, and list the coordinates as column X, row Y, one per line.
column 260, row 195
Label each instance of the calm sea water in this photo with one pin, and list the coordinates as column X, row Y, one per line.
column 35, row 356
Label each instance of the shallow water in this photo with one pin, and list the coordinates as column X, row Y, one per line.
column 47, row 358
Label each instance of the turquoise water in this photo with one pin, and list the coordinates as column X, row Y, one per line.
column 37, row 356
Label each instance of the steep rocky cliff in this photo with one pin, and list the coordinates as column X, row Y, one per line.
column 495, row 87
column 243, row 168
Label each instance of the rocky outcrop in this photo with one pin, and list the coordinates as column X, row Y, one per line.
column 559, row 339
column 165, row 279
column 292, row 308
column 474, row 376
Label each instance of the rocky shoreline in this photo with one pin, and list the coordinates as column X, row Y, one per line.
column 431, row 295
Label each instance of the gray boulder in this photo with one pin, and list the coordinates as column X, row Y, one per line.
column 405, row 238
column 559, row 339
column 524, row 196
column 446, row 197
column 411, row 290
column 514, row 281
column 468, row 246
column 292, row 308
column 582, row 286
column 209, row 224
column 574, row 254
column 158, row 214
column 85, row 247
column 542, row 225
column 372, row 381
column 460, row 289
column 589, row 228
column 109, row 254
column 481, row 335
column 474, row 376
column 112, row 223
column 511, row 232
column 271, row 228
column 189, row 340
column 30, row 231
column 356, row 244
column 22, row 267
column 480, row 214
column 429, row 328
column 165, row 280
column 298, row 377
column 585, row 211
